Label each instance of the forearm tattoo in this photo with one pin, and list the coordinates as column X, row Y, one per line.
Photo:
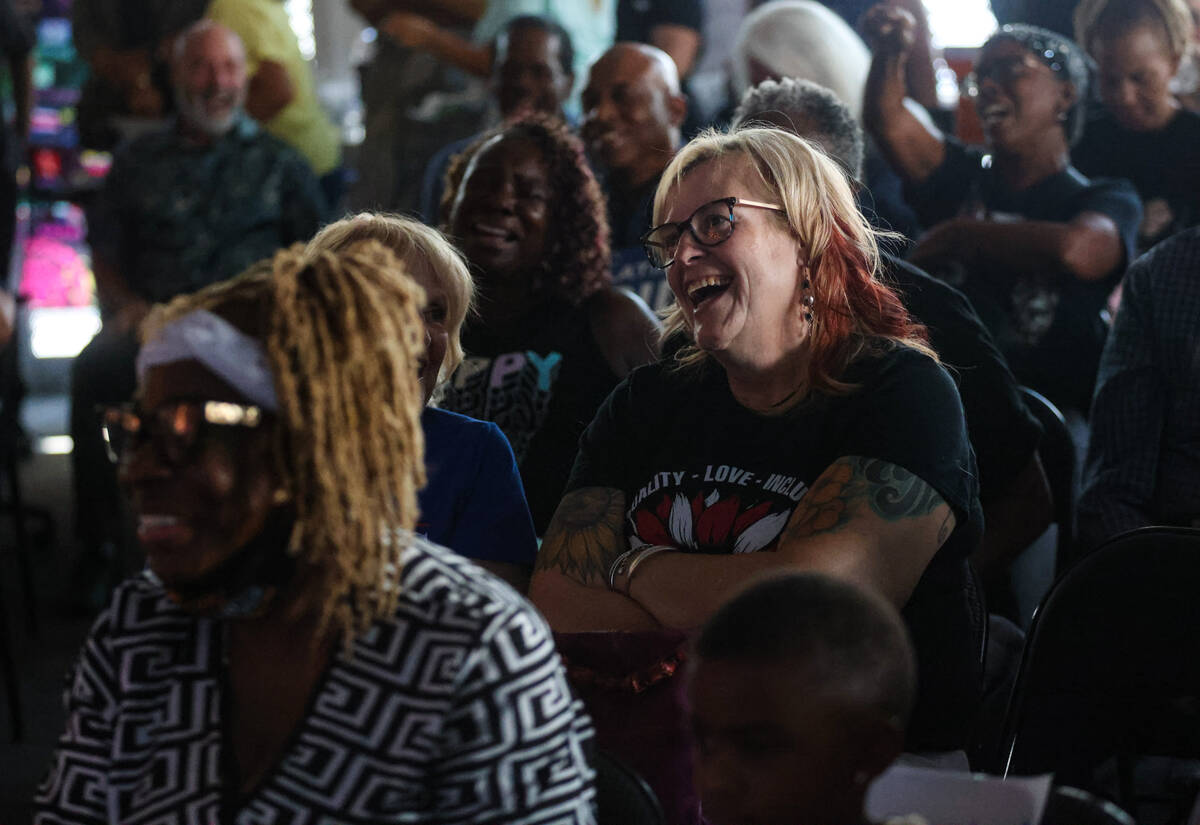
column 891, row 492
column 586, row 535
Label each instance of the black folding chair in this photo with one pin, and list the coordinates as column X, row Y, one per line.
column 623, row 797
column 1071, row 806
column 1111, row 669
column 11, row 504
column 1057, row 452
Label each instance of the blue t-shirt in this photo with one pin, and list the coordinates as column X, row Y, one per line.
column 473, row 501
column 630, row 215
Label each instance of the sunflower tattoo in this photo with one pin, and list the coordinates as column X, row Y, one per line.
column 585, row 536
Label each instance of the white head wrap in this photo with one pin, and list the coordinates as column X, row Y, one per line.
column 806, row 40
column 239, row 360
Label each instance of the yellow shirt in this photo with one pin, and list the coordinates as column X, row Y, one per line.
column 265, row 31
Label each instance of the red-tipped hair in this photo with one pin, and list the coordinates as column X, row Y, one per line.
column 854, row 306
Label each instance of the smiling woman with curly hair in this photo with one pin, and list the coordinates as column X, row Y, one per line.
column 552, row 337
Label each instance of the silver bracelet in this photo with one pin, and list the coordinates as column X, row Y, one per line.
column 643, row 554
column 618, row 567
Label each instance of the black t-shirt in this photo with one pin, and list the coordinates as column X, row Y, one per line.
column 1163, row 166
column 637, row 18
column 1049, row 325
column 541, row 389
column 702, row 473
column 1004, row 434
column 881, row 198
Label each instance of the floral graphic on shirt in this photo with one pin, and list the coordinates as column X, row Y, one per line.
column 707, row 523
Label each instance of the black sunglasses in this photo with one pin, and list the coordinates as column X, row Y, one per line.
column 173, row 429
column 710, row 225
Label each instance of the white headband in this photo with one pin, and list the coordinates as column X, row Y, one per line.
column 239, row 360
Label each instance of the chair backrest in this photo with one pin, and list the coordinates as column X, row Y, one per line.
column 1112, row 661
column 623, row 797
column 1057, row 452
column 1071, row 806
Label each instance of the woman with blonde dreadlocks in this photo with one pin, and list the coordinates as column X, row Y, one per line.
column 293, row 653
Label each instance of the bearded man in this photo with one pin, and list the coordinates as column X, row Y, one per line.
column 182, row 208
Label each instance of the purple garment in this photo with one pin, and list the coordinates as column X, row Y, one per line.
column 634, row 688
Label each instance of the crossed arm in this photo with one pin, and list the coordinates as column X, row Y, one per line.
column 864, row 519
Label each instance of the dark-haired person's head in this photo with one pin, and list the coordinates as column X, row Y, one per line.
column 1029, row 83
column 533, row 68
column 801, row 688
column 633, row 109
column 524, row 207
column 1138, row 46
column 809, row 110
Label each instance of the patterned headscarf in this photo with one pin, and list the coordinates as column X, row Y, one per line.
column 1063, row 56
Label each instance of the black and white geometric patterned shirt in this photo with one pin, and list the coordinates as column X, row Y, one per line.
column 457, row 710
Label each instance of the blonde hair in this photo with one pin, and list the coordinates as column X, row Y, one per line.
column 1097, row 20
column 419, row 247
column 343, row 335
column 854, row 311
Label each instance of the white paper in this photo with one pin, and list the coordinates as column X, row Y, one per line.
column 952, row 798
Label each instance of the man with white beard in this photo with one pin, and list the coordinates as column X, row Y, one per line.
column 182, row 208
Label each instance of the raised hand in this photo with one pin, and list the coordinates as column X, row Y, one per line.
column 889, row 29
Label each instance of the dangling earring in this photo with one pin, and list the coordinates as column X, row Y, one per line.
column 807, row 301
column 295, row 540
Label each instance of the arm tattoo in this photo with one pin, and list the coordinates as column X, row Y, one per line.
column 586, row 535
column 891, row 492
column 823, row 507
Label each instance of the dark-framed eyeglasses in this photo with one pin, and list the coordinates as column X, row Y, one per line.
column 710, row 225
column 173, row 429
